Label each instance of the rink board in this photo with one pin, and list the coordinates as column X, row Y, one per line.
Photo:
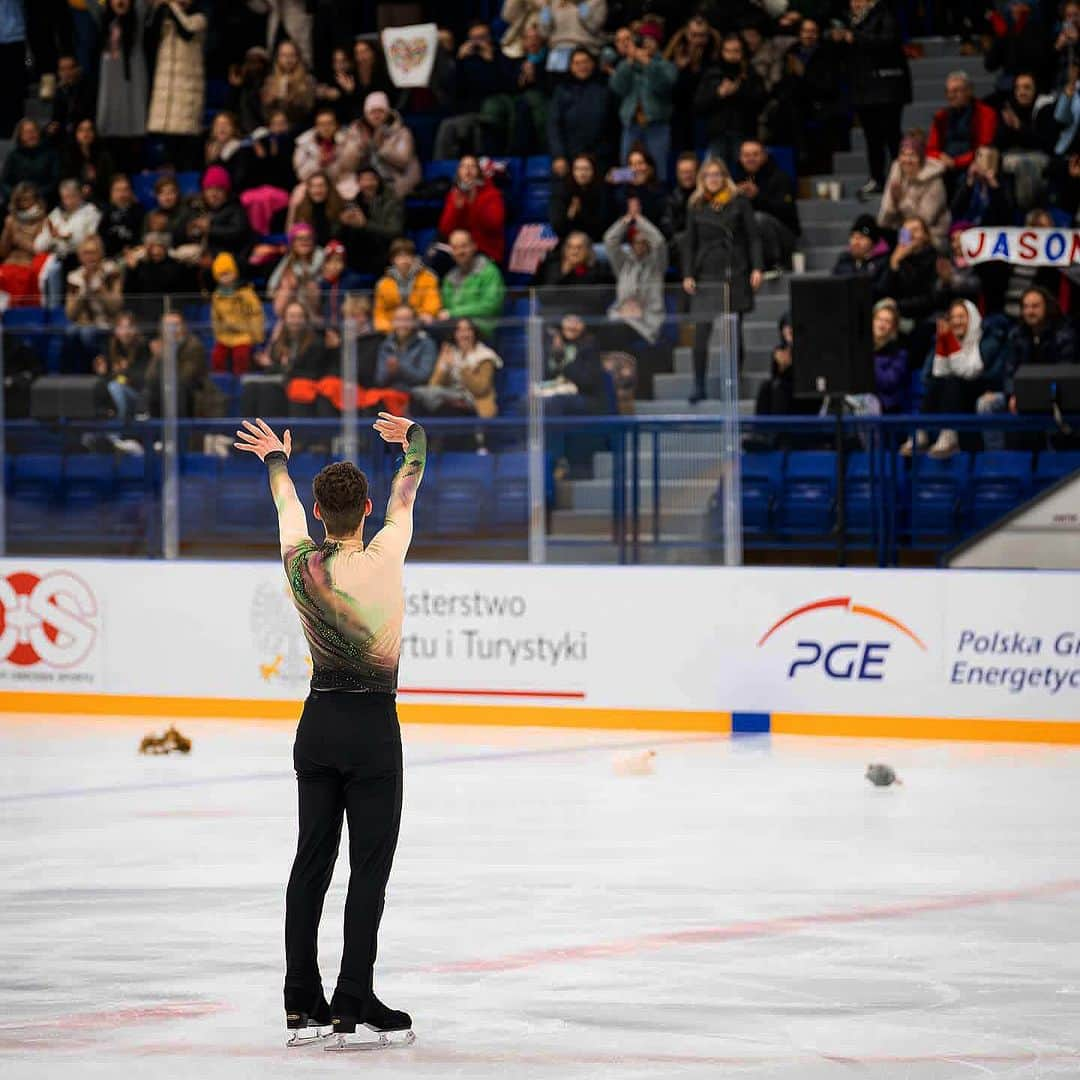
column 918, row 654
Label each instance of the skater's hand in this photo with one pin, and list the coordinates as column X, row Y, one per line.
column 393, row 429
column 258, row 439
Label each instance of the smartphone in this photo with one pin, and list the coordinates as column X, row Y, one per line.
column 622, row 176
column 904, row 236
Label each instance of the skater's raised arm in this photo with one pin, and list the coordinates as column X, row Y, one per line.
column 397, row 530
column 257, row 438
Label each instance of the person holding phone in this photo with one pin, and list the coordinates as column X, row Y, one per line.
column 643, row 84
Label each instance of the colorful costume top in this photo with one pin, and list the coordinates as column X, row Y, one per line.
column 351, row 598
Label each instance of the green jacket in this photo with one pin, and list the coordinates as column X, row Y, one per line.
column 477, row 295
column 649, row 86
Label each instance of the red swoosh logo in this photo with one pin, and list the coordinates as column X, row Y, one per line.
column 845, row 603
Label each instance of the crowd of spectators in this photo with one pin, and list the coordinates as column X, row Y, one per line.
column 658, row 119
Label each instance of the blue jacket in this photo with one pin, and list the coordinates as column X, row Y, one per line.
column 648, row 85
column 12, row 24
column 416, row 361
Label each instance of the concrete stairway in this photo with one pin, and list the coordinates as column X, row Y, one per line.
column 689, row 469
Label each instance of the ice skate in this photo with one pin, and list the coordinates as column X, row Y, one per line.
column 308, row 1023
column 392, row 1028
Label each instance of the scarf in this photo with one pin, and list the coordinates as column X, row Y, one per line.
column 721, row 198
column 30, row 215
column 405, row 282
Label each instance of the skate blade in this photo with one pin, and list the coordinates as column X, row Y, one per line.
column 385, row 1040
column 309, row 1036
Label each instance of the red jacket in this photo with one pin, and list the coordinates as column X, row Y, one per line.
column 484, row 215
column 983, row 130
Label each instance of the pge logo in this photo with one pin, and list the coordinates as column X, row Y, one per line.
column 51, row 620
column 854, row 658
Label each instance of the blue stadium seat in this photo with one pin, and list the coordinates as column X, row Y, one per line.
column 536, row 201
column 808, row 501
column 440, row 168
column 423, row 127
column 862, row 495
column 510, row 505
column 512, row 383
column 939, row 495
column 198, row 487
column 242, row 505
column 34, row 493
column 423, row 239
column 135, row 503
column 762, row 483
column 229, row 385
column 1001, row 481
column 1053, row 465
column 143, row 186
column 538, row 167
column 190, row 182
column 463, row 492
column 511, row 343
column 87, row 485
column 784, row 156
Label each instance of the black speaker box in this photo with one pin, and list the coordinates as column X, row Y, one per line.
column 833, row 349
column 74, row 397
column 1039, row 386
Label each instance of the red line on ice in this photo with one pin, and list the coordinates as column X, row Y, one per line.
column 790, row 924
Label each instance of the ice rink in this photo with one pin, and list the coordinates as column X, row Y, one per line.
column 753, row 908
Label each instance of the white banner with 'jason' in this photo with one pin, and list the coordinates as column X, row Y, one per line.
column 410, row 53
column 1022, row 247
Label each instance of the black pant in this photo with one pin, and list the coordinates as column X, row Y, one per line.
column 12, row 87
column 702, row 334
column 951, row 395
column 348, row 763
column 881, row 126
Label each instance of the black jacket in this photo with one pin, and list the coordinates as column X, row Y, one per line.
column 586, row 372
column 654, row 203
column 71, row 105
column 912, row 283
column 999, row 208
column 872, row 267
column 582, row 120
column 879, row 69
column 120, row 228
column 594, row 216
column 721, row 246
column 776, row 194
column 95, row 173
column 733, row 115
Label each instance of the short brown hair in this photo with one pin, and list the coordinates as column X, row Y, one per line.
column 341, row 490
column 402, row 246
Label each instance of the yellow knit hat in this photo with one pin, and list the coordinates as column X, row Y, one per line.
column 224, row 264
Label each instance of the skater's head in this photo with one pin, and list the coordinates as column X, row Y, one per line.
column 341, row 500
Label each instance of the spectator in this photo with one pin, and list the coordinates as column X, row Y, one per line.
column 1063, row 176
column 87, row 160
column 220, row 223
column 1026, row 133
column 1042, row 336
column 176, row 105
column 916, row 188
column 463, row 382
column 267, row 175
column 122, row 366
column 31, row 160
column 643, row 84
column 573, row 269
column 283, row 372
column 692, row 49
column 121, row 223
column 330, row 150
column 731, row 96
column 295, row 277
column 579, row 119
column 579, row 201
column 321, row 207
column 686, row 175
column 123, row 88
column 909, row 275
column 772, row 197
column 66, row 228
column 776, row 394
column 94, row 298
column 223, row 143
column 811, row 95
column 474, row 287
column 237, row 318
column 892, row 378
column 387, row 145
column 641, row 193
column 880, row 82
column 339, row 93
column 244, row 96
column 480, row 77
column 982, row 199
column 20, row 264
column 407, row 282
column 191, row 370
column 73, row 103
column 953, row 374
column 475, row 205
column 1020, row 42
column 406, row 358
column 371, row 223
column 371, row 76
column 519, row 16
column 289, row 87
column 1067, row 116
column 637, row 253
column 520, row 116
column 333, row 278
column 12, row 65
column 1067, row 42
column 570, row 25
column 292, row 19
column 154, row 277
column 867, row 254
column 721, row 259
column 960, row 128
column 170, row 203
column 576, row 383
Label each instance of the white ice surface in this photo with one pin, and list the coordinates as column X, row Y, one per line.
column 752, row 909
